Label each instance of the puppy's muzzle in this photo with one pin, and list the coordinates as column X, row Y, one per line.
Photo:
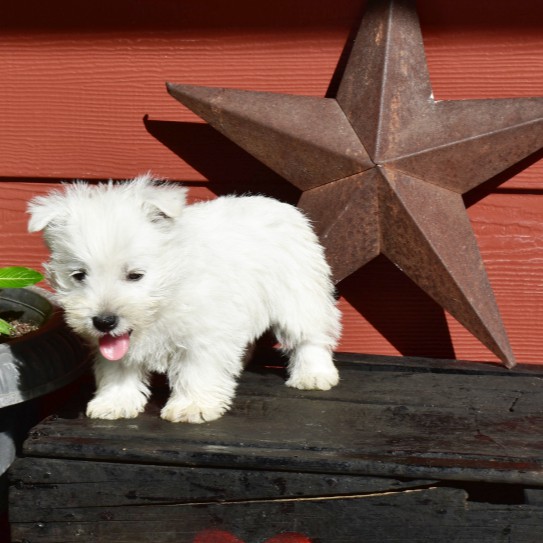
column 105, row 323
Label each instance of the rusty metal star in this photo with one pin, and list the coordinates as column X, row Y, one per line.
column 383, row 165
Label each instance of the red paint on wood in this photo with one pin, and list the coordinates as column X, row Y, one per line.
column 220, row 536
column 216, row 536
column 289, row 538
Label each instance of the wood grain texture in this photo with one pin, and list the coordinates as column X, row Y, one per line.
column 77, row 83
column 399, row 418
column 402, row 450
column 51, row 486
column 416, row 516
column 82, row 96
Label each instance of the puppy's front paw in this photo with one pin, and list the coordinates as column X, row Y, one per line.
column 185, row 410
column 112, row 408
column 315, row 380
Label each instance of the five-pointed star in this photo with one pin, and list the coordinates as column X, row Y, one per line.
column 383, row 165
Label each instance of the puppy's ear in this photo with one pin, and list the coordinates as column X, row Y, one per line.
column 45, row 210
column 162, row 200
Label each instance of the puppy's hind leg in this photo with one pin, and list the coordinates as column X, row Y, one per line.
column 309, row 334
column 122, row 391
column 311, row 367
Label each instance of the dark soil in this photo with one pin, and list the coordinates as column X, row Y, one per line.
column 19, row 329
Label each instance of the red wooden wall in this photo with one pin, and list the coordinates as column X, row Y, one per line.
column 82, row 96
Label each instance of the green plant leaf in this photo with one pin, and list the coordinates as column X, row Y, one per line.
column 5, row 327
column 18, row 277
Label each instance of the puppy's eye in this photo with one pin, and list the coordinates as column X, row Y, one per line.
column 134, row 276
column 79, row 275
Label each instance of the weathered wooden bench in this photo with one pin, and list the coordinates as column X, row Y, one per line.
column 402, row 450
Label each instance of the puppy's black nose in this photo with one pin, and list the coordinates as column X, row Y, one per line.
column 105, row 323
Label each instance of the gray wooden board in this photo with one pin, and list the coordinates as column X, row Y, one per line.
column 54, row 489
column 423, row 515
column 388, row 417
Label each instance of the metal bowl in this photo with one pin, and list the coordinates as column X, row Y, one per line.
column 35, row 364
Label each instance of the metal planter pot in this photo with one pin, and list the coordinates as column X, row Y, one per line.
column 35, row 364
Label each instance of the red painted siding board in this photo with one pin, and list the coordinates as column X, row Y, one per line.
column 77, row 82
column 384, row 313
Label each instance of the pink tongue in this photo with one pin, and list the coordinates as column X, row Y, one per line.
column 114, row 347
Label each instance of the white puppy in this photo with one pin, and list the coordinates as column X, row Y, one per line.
column 159, row 286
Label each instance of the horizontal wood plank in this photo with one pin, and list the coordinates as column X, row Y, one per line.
column 462, row 425
column 412, row 516
column 54, row 489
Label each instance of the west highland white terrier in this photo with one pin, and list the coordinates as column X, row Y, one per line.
column 160, row 286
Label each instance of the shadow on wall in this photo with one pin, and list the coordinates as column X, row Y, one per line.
column 229, row 169
column 399, row 310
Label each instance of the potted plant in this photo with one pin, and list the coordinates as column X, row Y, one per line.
column 38, row 353
column 16, row 277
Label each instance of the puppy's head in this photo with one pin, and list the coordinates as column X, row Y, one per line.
column 109, row 261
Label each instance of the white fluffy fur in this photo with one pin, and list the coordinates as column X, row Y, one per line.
column 216, row 275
